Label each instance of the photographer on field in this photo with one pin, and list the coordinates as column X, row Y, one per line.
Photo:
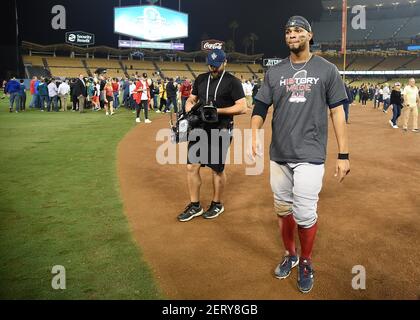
column 218, row 96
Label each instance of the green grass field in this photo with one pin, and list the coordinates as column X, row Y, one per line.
column 60, row 205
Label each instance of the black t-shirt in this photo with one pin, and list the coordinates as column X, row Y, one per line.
column 102, row 85
column 230, row 90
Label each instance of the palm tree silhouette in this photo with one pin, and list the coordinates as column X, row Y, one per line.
column 253, row 37
column 233, row 25
column 246, row 43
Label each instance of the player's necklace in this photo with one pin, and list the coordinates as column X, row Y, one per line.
column 296, row 69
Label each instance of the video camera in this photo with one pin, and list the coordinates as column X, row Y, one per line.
column 199, row 115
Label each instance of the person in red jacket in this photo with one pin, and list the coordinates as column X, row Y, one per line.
column 33, row 92
column 142, row 98
column 185, row 90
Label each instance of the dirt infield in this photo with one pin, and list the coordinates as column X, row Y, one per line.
column 372, row 219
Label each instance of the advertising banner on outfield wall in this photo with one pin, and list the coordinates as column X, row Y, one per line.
column 150, row 45
column 208, row 45
column 80, row 38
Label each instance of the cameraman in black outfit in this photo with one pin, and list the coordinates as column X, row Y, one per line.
column 221, row 92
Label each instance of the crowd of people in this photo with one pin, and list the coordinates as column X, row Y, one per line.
column 402, row 99
column 138, row 93
column 101, row 92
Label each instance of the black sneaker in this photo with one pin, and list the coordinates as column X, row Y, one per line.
column 190, row 212
column 214, row 210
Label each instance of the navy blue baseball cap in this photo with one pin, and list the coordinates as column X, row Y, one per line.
column 216, row 57
column 299, row 21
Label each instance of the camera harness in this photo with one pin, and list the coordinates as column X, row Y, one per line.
column 217, row 87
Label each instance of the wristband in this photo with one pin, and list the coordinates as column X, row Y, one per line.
column 343, row 156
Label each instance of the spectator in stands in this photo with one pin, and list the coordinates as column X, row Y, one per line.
column 185, row 90
column 156, row 96
column 364, row 91
column 32, row 88
column 163, row 96
column 53, row 96
column 73, row 96
column 90, row 89
column 37, row 103
column 43, row 94
column 247, row 87
column 132, row 88
column 380, row 97
column 63, row 94
column 396, row 101
column 152, row 94
column 109, row 98
column 171, row 92
column 95, row 98
column 359, row 92
column 121, row 93
column 12, row 90
column 376, row 96
column 349, row 101
column 80, row 92
column 102, row 84
column 142, row 98
column 116, row 93
column 255, row 88
column 386, row 97
column 355, row 92
column 411, row 101
column 22, row 95
column 126, row 93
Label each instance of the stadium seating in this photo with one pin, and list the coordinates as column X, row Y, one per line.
column 33, row 60
column 175, row 69
column 363, row 63
column 65, row 62
column 413, row 65
column 392, row 63
column 65, row 72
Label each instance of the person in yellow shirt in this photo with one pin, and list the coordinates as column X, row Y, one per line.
column 411, row 101
column 162, row 95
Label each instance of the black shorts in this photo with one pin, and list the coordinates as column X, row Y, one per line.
column 211, row 153
column 109, row 99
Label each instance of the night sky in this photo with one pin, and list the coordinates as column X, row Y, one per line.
column 266, row 18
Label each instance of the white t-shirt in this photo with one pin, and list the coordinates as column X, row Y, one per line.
column 52, row 89
column 410, row 95
column 132, row 88
column 144, row 95
column 247, row 88
column 63, row 89
column 387, row 93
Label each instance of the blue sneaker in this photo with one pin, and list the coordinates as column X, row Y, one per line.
column 284, row 268
column 305, row 281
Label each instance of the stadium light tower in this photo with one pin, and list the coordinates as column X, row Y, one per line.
column 17, row 41
column 344, row 36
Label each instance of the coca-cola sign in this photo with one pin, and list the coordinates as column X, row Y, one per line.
column 212, row 44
